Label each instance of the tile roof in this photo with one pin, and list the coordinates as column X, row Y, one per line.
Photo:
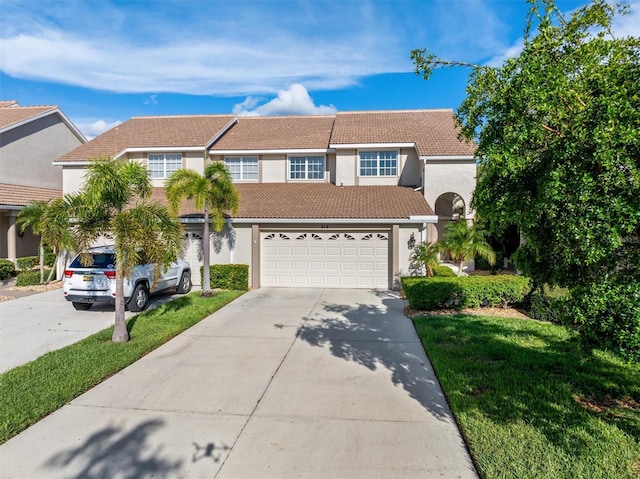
column 433, row 131
column 277, row 133
column 149, row 132
column 320, row 200
column 6, row 103
column 16, row 195
column 12, row 114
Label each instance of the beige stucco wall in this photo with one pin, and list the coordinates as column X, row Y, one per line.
column 450, row 176
column 72, row 178
column 27, row 152
column 273, row 168
column 346, row 169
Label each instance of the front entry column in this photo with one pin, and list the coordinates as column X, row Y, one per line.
column 12, row 234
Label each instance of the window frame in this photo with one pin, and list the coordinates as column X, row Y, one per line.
column 165, row 161
column 243, row 162
column 377, row 167
column 306, row 170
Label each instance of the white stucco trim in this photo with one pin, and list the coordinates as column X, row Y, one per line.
column 224, row 129
column 372, row 146
column 72, row 163
column 450, row 158
column 270, row 152
column 420, row 220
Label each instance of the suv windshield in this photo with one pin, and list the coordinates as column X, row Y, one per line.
column 100, row 260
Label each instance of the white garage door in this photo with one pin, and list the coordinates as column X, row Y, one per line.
column 325, row 259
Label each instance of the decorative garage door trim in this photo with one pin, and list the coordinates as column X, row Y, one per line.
column 319, row 259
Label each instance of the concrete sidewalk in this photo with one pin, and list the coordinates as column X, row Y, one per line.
column 281, row 383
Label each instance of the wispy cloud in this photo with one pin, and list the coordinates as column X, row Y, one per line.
column 92, row 128
column 293, row 101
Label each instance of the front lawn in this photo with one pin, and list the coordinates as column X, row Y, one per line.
column 531, row 403
column 34, row 390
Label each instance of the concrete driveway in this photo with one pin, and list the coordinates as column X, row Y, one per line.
column 281, row 383
column 33, row 325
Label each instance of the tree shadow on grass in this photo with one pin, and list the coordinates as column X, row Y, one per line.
column 116, row 452
column 522, row 371
column 379, row 336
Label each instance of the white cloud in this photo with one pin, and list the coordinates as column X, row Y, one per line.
column 152, row 100
column 628, row 25
column 92, row 128
column 509, row 52
column 293, row 101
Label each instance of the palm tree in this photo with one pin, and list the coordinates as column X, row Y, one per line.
column 114, row 203
column 213, row 193
column 464, row 241
column 32, row 216
column 57, row 229
column 425, row 257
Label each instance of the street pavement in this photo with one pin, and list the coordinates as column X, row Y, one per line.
column 281, row 383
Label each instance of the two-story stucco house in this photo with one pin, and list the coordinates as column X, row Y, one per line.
column 325, row 201
column 31, row 138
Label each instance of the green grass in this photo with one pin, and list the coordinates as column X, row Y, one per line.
column 30, row 392
column 531, row 403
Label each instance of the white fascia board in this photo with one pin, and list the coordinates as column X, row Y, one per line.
column 434, row 219
column 271, row 152
column 57, row 111
column 72, row 163
column 11, row 207
column 425, row 219
column 221, row 132
column 450, row 158
column 363, row 146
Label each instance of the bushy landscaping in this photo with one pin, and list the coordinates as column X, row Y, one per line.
column 229, row 276
column 30, row 277
column 32, row 391
column 7, row 269
column 31, row 262
column 531, row 402
column 427, row 294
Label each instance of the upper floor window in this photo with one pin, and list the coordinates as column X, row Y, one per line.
column 161, row 166
column 379, row 163
column 242, row 167
column 306, row 168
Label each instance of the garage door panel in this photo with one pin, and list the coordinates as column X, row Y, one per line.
column 345, row 259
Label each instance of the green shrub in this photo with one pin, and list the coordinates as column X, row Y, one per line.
column 465, row 291
column 547, row 304
column 30, row 278
column 229, row 276
column 7, row 269
column 27, row 262
column 443, row 271
column 484, row 265
column 607, row 315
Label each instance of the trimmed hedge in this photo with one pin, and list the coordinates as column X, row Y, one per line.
column 228, row 276
column 7, row 269
column 31, row 262
column 31, row 277
column 444, row 271
column 464, row 292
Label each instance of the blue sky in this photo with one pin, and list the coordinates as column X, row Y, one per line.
column 102, row 62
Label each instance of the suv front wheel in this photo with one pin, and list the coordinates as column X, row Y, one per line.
column 139, row 299
column 185, row 283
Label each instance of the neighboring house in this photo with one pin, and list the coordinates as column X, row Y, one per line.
column 325, row 201
column 31, row 138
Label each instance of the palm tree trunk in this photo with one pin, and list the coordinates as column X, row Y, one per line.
column 120, row 333
column 53, row 269
column 41, row 262
column 206, row 250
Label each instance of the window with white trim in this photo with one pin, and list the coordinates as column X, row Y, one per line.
column 378, row 163
column 306, row 167
column 161, row 166
column 242, row 167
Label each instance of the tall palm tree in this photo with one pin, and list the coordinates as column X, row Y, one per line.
column 57, row 229
column 463, row 241
column 425, row 257
column 214, row 193
column 33, row 216
column 114, row 202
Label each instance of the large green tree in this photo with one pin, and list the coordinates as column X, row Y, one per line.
column 558, row 134
column 114, row 203
column 212, row 192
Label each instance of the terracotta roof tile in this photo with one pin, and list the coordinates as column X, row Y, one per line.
column 150, row 132
column 320, row 200
column 433, row 131
column 16, row 195
column 277, row 133
column 12, row 114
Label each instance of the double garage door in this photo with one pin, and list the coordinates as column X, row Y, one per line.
column 325, row 259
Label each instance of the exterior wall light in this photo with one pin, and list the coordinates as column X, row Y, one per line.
column 412, row 241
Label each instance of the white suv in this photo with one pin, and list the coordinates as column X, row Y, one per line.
column 85, row 285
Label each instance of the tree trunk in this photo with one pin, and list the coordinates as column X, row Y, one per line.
column 41, row 262
column 53, row 269
column 460, row 266
column 120, row 333
column 206, row 253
